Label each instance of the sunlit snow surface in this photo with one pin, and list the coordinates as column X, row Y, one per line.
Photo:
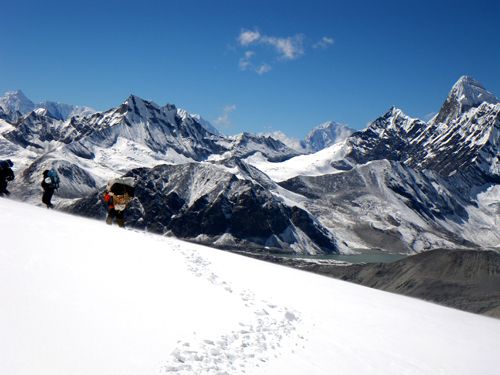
column 80, row 297
column 316, row 164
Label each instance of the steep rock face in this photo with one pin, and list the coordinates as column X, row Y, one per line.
column 163, row 128
column 466, row 145
column 388, row 137
column 325, row 135
column 38, row 128
column 144, row 122
column 465, row 94
column 389, row 205
column 208, row 204
column 205, row 123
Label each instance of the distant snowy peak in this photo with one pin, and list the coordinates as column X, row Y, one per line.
column 15, row 104
column 63, row 111
column 326, row 135
column 465, row 94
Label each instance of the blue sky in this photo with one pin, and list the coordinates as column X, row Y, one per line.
column 252, row 65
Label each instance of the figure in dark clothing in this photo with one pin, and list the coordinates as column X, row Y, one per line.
column 119, row 194
column 48, row 189
column 6, row 175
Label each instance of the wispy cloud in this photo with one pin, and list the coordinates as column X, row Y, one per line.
column 246, row 60
column 323, row 43
column 246, row 63
column 288, row 48
column 248, row 37
column 293, row 143
column 285, row 48
column 224, row 119
column 262, row 69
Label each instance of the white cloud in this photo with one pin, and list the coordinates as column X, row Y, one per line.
column 293, row 143
column 264, row 68
column 224, row 120
column 247, row 64
column 248, row 37
column 245, row 61
column 289, row 48
column 286, row 48
column 324, row 43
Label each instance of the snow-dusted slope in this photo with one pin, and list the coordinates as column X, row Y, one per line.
column 316, row 164
column 79, row 297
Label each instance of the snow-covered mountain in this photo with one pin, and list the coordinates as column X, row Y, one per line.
column 319, row 138
column 229, row 205
column 401, row 184
column 467, row 145
column 440, row 179
column 465, row 94
column 80, row 297
column 15, row 104
column 325, row 135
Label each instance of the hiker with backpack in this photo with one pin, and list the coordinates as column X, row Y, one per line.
column 119, row 193
column 50, row 183
column 6, row 175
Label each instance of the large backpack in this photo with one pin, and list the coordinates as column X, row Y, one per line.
column 6, row 164
column 54, row 178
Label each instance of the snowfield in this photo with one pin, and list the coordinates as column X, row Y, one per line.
column 316, row 164
column 80, row 297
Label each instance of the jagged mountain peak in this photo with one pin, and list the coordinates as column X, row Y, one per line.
column 394, row 112
column 16, row 101
column 394, row 119
column 465, row 94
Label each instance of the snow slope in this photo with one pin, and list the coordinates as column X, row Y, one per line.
column 79, row 297
column 316, row 164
